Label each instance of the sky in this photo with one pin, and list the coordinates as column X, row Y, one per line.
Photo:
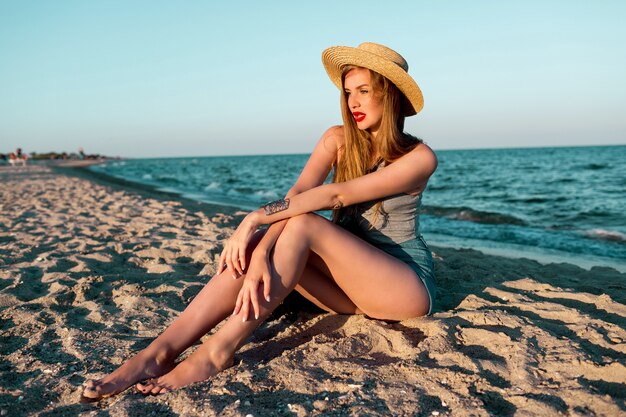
column 203, row 78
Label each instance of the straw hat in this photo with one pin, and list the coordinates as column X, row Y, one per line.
column 381, row 59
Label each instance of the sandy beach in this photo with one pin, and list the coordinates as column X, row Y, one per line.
column 92, row 269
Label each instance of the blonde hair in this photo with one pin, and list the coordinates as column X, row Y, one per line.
column 357, row 150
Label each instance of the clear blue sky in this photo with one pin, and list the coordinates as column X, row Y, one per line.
column 157, row 78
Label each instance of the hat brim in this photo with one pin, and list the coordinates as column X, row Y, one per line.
column 336, row 58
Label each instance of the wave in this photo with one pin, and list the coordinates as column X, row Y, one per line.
column 435, row 187
column 592, row 215
column 593, row 166
column 531, row 200
column 213, row 186
column 168, row 179
column 561, row 181
column 602, row 234
column 536, row 199
column 268, row 195
column 471, row 215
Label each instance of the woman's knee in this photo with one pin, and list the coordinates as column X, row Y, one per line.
column 301, row 225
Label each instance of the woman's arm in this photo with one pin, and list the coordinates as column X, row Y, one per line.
column 259, row 271
column 409, row 173
column 313, row 174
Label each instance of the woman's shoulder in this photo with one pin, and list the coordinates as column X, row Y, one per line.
column 423, row 149
column 422, row 156
column 333, row 138
column 335, row 133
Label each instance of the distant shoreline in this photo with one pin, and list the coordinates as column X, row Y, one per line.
column 308, row 152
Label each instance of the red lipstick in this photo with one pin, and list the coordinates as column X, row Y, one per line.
column 358, row 116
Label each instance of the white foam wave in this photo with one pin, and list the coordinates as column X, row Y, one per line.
column 605, row 235
column 213, row 186
column 268, row 195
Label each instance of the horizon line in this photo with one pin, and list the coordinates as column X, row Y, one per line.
column 436, row 150
column 307, row 153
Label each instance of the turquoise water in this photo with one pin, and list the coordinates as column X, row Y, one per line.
column 547, row 203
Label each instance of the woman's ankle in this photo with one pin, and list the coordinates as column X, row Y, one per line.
column 159, row 354
column 220, row 356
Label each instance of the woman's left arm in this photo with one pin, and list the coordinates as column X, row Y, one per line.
column 409, row 173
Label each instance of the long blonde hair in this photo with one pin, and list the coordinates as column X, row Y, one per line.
column 357, row 150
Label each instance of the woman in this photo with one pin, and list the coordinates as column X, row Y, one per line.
column 370, row 260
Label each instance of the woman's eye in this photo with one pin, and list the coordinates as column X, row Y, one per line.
column 364, row 91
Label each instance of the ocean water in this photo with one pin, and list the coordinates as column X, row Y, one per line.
column 550, row 204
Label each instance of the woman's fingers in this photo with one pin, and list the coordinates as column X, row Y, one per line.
column 232, row 263
column 229, row 267
column 248, row 297
column 233, row 256
column 245, row 308
column 266, row 287
column 229, row 260
column 225, row 263
column 236, row 256
column 254, row 300
column 242, row 257
column 238, row 303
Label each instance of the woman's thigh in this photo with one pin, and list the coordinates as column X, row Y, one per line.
column 317, row 286
column 378, row 284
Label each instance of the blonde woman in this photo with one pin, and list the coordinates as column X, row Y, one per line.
column 371, row 259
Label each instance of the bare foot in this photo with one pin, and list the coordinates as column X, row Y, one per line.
column 141, row 366
column 204, row 363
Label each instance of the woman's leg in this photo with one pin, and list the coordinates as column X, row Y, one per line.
column 317, row 285
column 212, row 304
column 373, row 282
column 378, row 284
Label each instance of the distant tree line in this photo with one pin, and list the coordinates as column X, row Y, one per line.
column 54, row 155
column 64, row 155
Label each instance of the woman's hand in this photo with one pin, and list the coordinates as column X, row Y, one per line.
column 233, row 255
column 258, row 273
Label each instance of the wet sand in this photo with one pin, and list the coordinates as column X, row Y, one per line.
column 91, row 269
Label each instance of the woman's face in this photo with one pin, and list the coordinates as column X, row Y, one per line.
column 365, row 105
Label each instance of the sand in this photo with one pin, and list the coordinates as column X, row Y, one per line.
column 92, row 269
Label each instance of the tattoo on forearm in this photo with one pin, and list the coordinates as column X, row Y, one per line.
column 276, row 206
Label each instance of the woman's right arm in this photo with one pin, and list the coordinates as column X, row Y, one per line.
column 313, row 174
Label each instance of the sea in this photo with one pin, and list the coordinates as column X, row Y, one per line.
column 562, row 204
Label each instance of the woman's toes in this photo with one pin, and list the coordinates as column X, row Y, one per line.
column 156, row 390
column 144, row 387
column 90, row 391
column 89, row 385
column 151, row 387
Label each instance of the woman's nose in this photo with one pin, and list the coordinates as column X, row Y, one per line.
column 352, row 102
